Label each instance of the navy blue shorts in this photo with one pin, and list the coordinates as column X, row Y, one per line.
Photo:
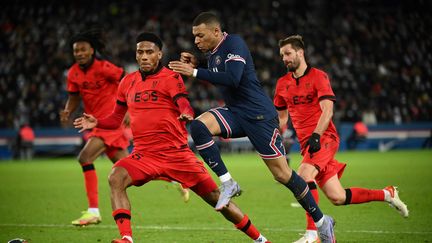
column 264, row 135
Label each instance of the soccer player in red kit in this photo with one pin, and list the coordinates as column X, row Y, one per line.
column 306, row 95
column 156, row 100
column 94, row 81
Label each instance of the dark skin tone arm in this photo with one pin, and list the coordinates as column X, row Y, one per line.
column 72, row 104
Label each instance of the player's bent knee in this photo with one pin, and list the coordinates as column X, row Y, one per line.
column 118, row 178
column 212, row 197
column 278, row 178
column 306, row 177
column 337, row 200
column 81, row 159
column 84, row 157
column 199, row 129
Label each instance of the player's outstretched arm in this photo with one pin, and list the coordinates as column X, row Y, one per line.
column 186, row 110
column 189, row 58
column 72, row 103
column 85, row 122
column 182, row 68
column 186, row 64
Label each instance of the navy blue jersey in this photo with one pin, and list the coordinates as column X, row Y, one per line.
column 231, row 69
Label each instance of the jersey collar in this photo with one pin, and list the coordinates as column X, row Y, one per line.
column 86, row 66
column 308, row 68
column 144, row 75
column 225, row 34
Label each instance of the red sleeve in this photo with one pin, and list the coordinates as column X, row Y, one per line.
column 71, row 86
column 176, row 87
column 184, row 106
column 122, row 89
column 112, row 73
column 324, row 89
column 115, row 119
column 278, row 100
column 177, row 91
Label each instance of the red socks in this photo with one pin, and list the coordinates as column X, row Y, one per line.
column 91, row 184
column 355, row 195
column 248, row 228
column 310, row 222
column 123, row 218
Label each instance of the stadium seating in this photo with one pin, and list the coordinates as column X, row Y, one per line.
column 376, row 52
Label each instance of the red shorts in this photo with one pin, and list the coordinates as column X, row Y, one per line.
column 324, row 160
column 179, row 165
column 113, row 139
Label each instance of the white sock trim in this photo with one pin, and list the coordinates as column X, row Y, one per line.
column 387, row 195
column 261, row 239
column 319, row 222
column 129, row 238
column 225, row 177
column 93, row 210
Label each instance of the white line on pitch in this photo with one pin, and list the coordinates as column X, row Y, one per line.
column 182, row 228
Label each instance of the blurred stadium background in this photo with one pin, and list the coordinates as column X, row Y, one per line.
column 376, row 52
column 378, row 56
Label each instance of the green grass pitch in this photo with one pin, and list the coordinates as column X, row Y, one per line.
column 39, row 199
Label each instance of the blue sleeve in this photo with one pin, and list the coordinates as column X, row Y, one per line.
column 235, row 62
column 231, row 76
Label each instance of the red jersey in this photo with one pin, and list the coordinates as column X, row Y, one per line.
column 153, row 113
column 301, row 97
column 97, row 86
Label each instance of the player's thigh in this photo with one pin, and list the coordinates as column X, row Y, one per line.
column 141, row 167
column 115, row 154
column 119, row 178
column 265, row 137
column 307, row 171
column 92, row 149
column 320, row 159
column 228, row 125
column 183, row 166
column 334, row 191
column 210, row 122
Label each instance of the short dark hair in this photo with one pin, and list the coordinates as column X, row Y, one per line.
column 207, row 18
column 93, row 36
column 296, row 42
column 151, row 37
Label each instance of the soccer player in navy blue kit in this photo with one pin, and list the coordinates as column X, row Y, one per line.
column 248, row 112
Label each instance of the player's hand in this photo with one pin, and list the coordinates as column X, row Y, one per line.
column 85, row 122
column 314, row 143
column 181, row 67
column 189, row 58
column 64, row 117
column 185, row 117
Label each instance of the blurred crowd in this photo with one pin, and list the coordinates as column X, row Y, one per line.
column 377, row 53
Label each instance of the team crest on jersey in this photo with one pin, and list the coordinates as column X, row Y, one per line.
column 155, row 82
column 218, row 60
column 307, row 85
